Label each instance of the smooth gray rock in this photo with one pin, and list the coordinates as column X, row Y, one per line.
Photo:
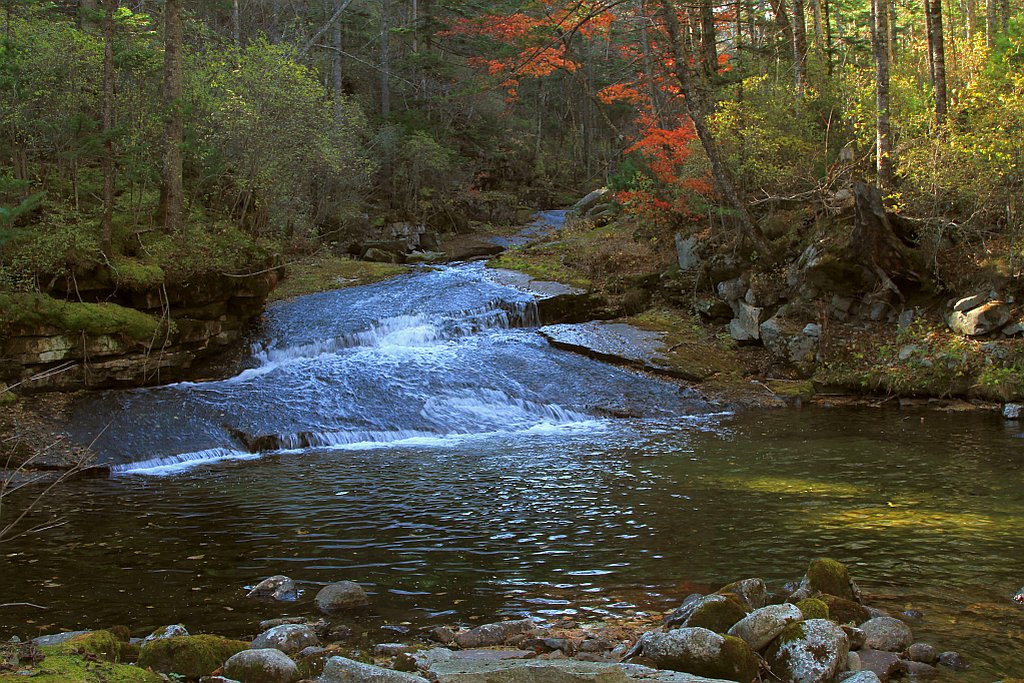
column 761, row 626
column 278, row 587
column 392, row 649
column 590, row 201
column 970, row 302
column 921, row 652
column 553, row 671
column 953, row 660
column 171, row 631
column 426, row 660
column 686, row 252
column 343, row 670
column 751, row 592
column 261, row 666
column 341, row 597
column 288, row 638
column 814, row 652
column 699, row 651
column 853, row 662
column 57, row 638
column 886, row 665
column 886, row 633
column 980, row 321
column 860, row 677
column 488, row 635
column 1013, row 411
column 919, row 670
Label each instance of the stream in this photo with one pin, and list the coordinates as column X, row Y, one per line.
column 420, row 437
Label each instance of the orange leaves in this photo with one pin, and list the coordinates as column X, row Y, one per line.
column 621, row 92
column 538, row 43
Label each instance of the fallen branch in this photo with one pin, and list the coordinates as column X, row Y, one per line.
column 23, row 604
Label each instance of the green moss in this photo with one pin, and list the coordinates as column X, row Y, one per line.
column 690, row 350
column 828, row 576
column 741, row 664
column 540, row 266
column 813, row 608
column 75, row 669
column 31, row 310
column 843, row 611
column 332, row 273
column 136, row 275
column 791, row 633
column 718, row 616
column 102, row 644
column 189, row 656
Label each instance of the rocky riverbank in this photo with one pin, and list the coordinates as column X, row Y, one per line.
column 819, row 629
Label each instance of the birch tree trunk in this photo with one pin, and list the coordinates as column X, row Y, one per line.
column 883, row 133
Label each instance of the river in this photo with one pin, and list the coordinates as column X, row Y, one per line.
column 420, row 437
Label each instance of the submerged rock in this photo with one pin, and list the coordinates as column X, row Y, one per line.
column 342, row 596
column 275, row 588
column 886, row 633
column 498, row 633
column 261, row 666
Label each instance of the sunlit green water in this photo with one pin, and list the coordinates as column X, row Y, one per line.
column 925, row 508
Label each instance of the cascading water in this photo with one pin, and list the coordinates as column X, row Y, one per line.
column 431, row 358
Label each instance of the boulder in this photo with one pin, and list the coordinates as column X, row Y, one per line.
column 886, row 633
column 860, row 677
column 427, row 660
column 715, row 612
column 552, row 671
column 788, row 342
column 343, row 670
column 919, row 670
column 189, row 656
column 732, row 291
column 843, row 611
column 855, row 635
column 885, row 665
column 969, row 303
column 489, row 635
column 342, row 596
column 288, row 638
column 171, row 631
column 813, row 608
column 686, row 252
column 761, row 626
column 980, row 321
column 1013, row 411
column 275, row 588
column 751, row 592
column 921, row 652
column 378, row 255
column 702, row 652
column 952, row 660
column 590, row 201
column 57, row 638
column 827, row 576
column 812, row 651
column 261, row 666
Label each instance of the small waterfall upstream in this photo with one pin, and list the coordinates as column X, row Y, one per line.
column 429, row 359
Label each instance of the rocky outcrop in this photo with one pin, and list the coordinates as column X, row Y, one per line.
column 133, row 338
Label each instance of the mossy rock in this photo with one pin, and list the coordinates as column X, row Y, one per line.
column 189, row 656
column 828, row 576
column 718, row 616
column 813, row 608
column 76, row 669
column 740, row 662
column 102, row 644
column 40, row 310
column 844, row 611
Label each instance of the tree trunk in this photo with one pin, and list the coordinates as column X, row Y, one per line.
column 108, row 128
column 816, row 12
column 698, row 106
column 708, row 48
column 828, row 35
column 236, row 23
column 337, row 77
column 782, row 19
column 937, row 58
column 87, row 14
column 171, row 190
column 385, row 59
column 990, row 22
column 799, row 46
column 883, row 134
column 929, row 35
